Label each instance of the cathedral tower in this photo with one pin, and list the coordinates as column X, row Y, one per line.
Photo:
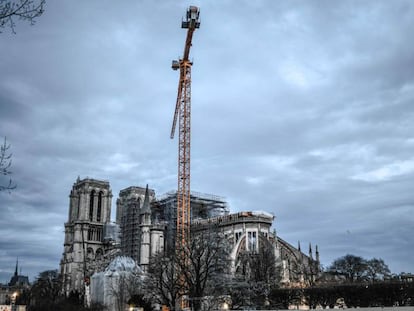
column 84, row 246
column 128, row 215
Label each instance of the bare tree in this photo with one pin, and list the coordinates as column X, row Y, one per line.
column 207, row 267
column 201, row 275
column 5, row 164
column 377, row 269
column 162, row 281
column 26, row 10
column 263, row 266
column 352, row 268
column 45, row 292
column 256, row 275
column 118, row 291
column 122, row 287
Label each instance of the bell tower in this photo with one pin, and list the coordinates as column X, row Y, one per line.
column 84, row 245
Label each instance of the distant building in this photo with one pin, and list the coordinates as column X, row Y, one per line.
column 17, row 280
column 407, row 277
column 18, row 283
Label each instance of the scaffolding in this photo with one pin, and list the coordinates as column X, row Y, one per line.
column 129, row 207
column 203, row 206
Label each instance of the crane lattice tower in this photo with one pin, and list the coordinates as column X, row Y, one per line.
column 183, row 114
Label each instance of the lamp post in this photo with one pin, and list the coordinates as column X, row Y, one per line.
column 13, row 301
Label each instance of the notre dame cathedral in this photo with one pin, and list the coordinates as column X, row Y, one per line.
column 145, row 225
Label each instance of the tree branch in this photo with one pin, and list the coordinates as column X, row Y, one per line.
column 24, row 9
column 5, row 164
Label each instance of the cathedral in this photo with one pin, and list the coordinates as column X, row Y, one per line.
column 145, row 225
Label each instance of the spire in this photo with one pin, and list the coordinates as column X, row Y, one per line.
column 17, row 266
column 310, row 251
column 317, row 254
column 146, row 206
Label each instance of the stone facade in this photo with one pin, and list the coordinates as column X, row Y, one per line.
column 86, row 248
column 249, row 231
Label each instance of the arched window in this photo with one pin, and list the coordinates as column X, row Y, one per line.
column 98, row 212
column 90, row 254
column 99, row 254
column 77, row 207
column 91, row 203
column 252, row 241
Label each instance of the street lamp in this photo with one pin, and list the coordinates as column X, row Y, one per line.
column 13, row 300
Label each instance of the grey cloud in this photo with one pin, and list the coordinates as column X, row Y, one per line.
column 298, row 108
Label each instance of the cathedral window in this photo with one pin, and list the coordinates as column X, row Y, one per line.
column 95, row 234
column 77, row 208
column 91, row 203
column 90, row 254
column 98, row 212
column 252, row 238
column 98, row 235
column 99, row 254
column 238, row 235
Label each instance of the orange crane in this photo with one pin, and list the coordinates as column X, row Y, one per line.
column 183, row 114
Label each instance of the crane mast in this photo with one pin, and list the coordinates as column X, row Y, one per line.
column 183, row 114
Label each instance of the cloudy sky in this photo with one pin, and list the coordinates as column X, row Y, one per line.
column 300, row 108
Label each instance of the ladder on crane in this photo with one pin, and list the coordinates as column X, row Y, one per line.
column 183, row 115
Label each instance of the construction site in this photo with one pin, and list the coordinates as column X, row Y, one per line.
column 148, row 225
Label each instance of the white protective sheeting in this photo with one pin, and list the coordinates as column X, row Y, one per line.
column 106, row 286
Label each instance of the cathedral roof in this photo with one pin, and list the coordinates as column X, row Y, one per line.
column 19, row 280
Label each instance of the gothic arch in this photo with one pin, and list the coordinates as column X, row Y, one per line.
column 91, row 204
column 287, row 252
column 90, row 253
column 78, row 203
column 99, row 254
column 293, row 260
column 239, row 247
column 241, row 254
column 99, row 210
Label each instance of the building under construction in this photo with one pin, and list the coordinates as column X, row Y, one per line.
column 203, row 206
column 162, row 222
column 129, row 212
column 244, row 231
